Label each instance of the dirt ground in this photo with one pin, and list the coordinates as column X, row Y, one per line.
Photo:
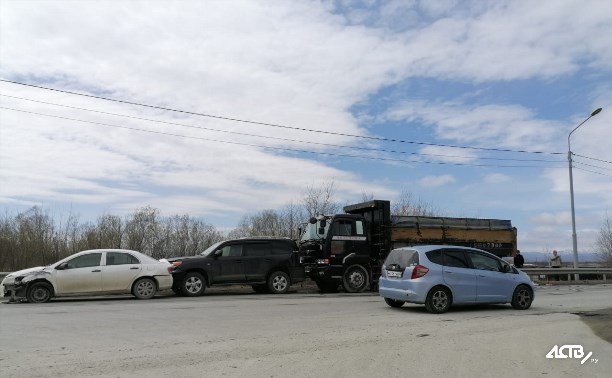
column 600, row 322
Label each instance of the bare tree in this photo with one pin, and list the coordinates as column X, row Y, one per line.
column 407, row 205
column 320, row 200
column 604, row 241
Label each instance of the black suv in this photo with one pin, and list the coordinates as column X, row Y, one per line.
column 268, row 264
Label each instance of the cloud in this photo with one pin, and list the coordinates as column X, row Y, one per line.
column 497, row 178
column 436, row 181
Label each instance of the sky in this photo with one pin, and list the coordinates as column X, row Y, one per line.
column 467, row 105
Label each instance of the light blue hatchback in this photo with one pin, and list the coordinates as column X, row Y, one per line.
column 443, row 275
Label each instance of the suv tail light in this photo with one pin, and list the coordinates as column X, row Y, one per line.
column 419, row 271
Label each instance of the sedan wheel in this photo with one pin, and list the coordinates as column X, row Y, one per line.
column 144, row 288
column 278, row 282
column 438, row 300
column 522, row 298
column 193, row 284
column 39, row 292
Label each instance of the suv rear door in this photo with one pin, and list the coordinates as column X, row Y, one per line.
column 257, row 260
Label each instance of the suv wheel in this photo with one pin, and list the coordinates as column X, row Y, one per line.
column 438, row 300
column 193, row 284
column 356, row 279
column 278, row 282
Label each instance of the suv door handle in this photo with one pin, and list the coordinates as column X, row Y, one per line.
column 134, row 268
column 96, row 271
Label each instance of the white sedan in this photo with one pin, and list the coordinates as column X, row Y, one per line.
column 93, row 272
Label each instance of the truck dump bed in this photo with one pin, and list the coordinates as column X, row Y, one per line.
column 494, row 235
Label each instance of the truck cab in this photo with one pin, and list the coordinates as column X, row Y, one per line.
column 336, row 250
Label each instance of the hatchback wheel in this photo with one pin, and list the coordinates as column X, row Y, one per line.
column 278, row 282
column 438, row 300
column 193, row 284
column 144, row 288
column 522, row 298
column 39, row 292
column 394, row 303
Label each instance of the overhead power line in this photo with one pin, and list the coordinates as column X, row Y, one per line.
column 275, row 148
column 272, row 124
column 277, row 138
column 592, row 158
column 588, row 170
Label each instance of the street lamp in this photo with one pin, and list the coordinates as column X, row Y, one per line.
column 569, row 159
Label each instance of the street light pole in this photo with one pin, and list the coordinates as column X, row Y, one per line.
column 571, row 178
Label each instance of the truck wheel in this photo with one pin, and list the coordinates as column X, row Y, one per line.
column 279, row 282
column 193, row 284
column 356, row 279
column 327, row 286
column 39, row 292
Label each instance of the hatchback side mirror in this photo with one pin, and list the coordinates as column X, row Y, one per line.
column 61, row 266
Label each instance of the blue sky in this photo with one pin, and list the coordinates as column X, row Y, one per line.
column 482, row 75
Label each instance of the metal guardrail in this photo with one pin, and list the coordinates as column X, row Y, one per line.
column 604, row 273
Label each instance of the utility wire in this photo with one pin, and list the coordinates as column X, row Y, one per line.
column 272, row 124
column 597, row 173
column 277, row 138
column 592, row 158
column 275, row 148
column 593, row 166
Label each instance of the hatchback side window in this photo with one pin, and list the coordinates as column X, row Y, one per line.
column 483, row 262
column 455, row 259
column 84, row 261
column 257, row 249
column 435, row 257
column 232, row 250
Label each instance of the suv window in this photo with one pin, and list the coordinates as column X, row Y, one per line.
column 232, row 250
column 282, row 248
column 118, row 258
column 403, row 258
column 257, row 249
column 485, row 262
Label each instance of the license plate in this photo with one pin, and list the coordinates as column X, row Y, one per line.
column 394, row 274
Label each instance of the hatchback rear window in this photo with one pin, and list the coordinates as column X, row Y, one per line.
column 403, row 257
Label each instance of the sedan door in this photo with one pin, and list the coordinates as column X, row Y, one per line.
column 494, row 285
column 119, row 272
column 81, row 274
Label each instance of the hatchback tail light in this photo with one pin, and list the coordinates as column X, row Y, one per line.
column 419, row 271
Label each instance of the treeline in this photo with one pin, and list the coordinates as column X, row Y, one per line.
column 35, row 237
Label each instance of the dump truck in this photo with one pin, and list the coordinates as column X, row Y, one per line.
column 349, row 249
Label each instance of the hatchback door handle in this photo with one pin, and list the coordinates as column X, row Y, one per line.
column 134, row 268
column 96, row 271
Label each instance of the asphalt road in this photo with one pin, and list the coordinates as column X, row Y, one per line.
column 232, row 332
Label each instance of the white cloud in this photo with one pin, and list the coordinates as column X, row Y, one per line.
column 497, row 178
column 436, row 181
